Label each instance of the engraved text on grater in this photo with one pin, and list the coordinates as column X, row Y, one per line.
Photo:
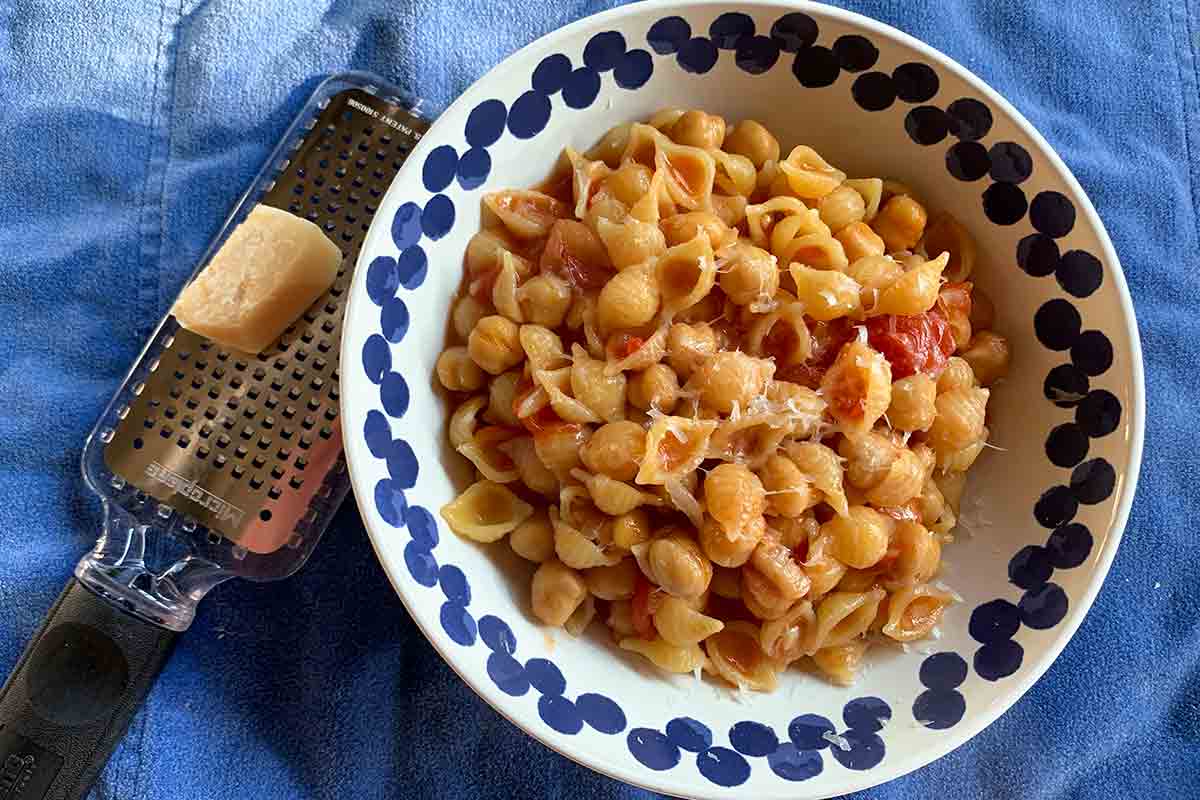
column 223, row 510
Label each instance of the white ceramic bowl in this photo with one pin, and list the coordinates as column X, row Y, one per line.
column 1046, row 512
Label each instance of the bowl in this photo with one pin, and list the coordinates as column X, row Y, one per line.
column 1049, row 503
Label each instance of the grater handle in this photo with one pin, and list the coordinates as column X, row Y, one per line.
column 73, row 692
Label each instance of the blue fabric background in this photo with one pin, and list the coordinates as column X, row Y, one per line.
column 127, row 130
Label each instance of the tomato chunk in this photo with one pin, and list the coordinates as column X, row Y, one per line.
column 643, row 613
column 912, row 344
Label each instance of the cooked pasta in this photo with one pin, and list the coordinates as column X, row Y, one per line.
column 721, row 398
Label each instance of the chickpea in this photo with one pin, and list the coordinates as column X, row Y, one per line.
column 859, row 241
column 558, row 447
column 796, row 531
column 544, row 300
column 732, row 378
column 983, row 310
column 868, row 457
column 557, row 591
column 630, row 529
column 533, row 539
column 730, row 548
column 615, row 450
column 729, row 208
column 772, row 580
column 501, row 394
column 613, row 583
column 457, row 372
column 656, row 386
column 900, row 223
column 860, row 539
column 699, row 129
column 749, row 273
column 679, row 566
column 789, row 493
column 630, row 299
column 989, row 355
column 913, row 403
column 688, row 346
column 920, row 553
column 467, row 312
column 752, row 140
column 841, row 207
column 734, row 495
column 957, row 374
column 630, row 182
column 680, row 228
column 484, row 251
column 495, row 344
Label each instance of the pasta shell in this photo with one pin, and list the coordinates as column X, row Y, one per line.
column 781, row 335
column 532, row 471
column 735, row 174
column 914, row 292
column 581, row 617
column 914, row 611
column 603, row 394
column 858, row 387
column 689, row 173
column 810, row 176
column 791, row 636
column 576, row 550
column 748, row 440
column 823, row 468
column 841, row 663
column 585, row 176
column 485, row 512
column 543, row 348
column 665, row 655
column 464, row 420
column 736, row 655
column 555, row 383
column 631, row 242
column 526, row 214
column 871, row 190
column 844, row 616
column 675, row 446
column 504, row 290
column 681, row 625
column 611, row 496
column 686, row 273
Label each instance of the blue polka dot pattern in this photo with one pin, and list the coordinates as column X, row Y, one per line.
column 406, row 225
column 394, row 319
column 1058, row 326
column 867, row 713
column 439, row 169
column 529, row 115
column 508, row 674
column 393, row 393
column 999, row 660
column 377, row 358
column 458, row 623
column 601, row 713
column 551, row 73
column 496, row 634
column 689, row 734
column 1043, row 607
column 756, row 54
column 412, row 267
column 485, row 123
column 603, row 50
column 864, row 752
column 728, row 29
column 723, row 766
column 943, row 671
column 560, row 714
column 915, row 82
column 581, row 88
column 652, row 749
column 668, row 35
column 402, row 464
column 390, row 502
column 382, row 280
column 855, row 53
column 634, row 69
column 377, row 433
column 697, row 56
column 422, row 527
column 473, row 168
column 454, row 584
column 545, row 677
column 792, row 764
column 753, row 739
column 794, row 32
column 1030, row 567
column 438, row 217
column 422, row 566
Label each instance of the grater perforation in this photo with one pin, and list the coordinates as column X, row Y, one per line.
column 242, row 452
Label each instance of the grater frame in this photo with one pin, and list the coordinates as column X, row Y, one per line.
column 214, row 464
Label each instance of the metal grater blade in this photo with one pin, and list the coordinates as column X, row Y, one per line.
column 243, row 447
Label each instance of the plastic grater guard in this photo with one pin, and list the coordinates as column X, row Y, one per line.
column 217, row 463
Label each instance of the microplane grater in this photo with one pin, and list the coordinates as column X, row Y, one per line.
column 214, row 463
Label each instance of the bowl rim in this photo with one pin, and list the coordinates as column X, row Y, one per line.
column 971, row 725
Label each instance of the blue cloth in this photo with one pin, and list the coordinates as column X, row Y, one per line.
column 127, row 130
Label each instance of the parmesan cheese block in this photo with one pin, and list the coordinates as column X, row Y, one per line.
column 269, row 271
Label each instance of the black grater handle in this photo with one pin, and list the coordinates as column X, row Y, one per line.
column 73, row 693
